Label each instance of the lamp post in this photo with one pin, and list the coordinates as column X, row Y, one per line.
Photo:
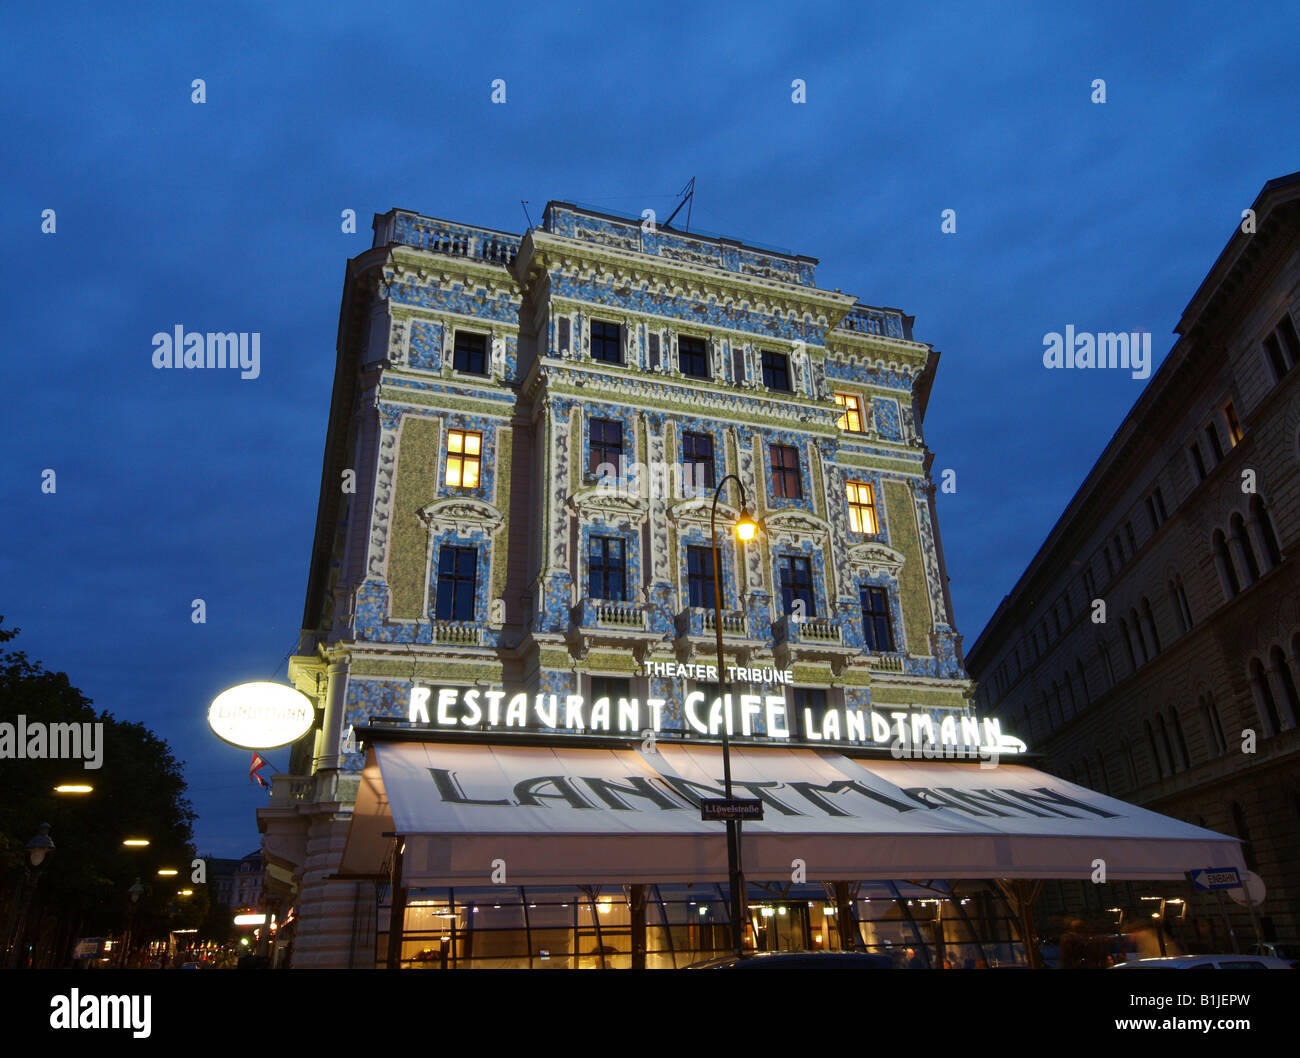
column 38, row 849
column 135, row 892
column 745, row 530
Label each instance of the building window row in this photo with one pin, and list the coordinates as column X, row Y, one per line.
column 1248, row 550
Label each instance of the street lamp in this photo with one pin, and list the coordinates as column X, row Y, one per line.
column 38, row 849
column 746, row 528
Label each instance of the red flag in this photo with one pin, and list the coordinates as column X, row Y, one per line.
column 256, row 765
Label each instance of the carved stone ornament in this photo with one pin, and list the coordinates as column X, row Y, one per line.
column 699, row 509
column 462, row 515
column 875, row 558
column 609, row 504
column 795, row 526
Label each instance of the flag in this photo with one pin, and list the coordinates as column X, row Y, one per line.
column 254, row 766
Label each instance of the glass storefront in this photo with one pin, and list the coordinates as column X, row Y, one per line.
column 565, row 928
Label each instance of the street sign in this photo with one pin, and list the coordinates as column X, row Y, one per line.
column 1252, row 891
column 731, row 808
column 1215, row 878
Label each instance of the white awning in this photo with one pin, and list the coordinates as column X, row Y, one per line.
column 557, row 815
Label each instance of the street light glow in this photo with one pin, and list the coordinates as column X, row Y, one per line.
column 746, row 527
column 73, row 788
column 136, row 843
column 166, row 872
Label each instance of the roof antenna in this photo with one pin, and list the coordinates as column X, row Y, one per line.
column 688, row 189
column 524, row 202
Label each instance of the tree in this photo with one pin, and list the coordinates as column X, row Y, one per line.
column 139, row 791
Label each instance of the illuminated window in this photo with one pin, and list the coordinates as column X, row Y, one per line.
column 1234, row 427
column 851, row 419
column 862, row 508
column 464, row 452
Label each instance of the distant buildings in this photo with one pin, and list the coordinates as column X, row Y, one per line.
column 1184, row 700
column 237, row 884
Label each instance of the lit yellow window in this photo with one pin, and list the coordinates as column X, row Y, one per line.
column 862, row 508
column 464, row 450
column 851, row 420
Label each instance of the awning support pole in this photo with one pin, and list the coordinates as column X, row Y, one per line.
column 850, row 937
column 396, row 908
column 1021, row 897
column 1232, row 933
column 636, row 897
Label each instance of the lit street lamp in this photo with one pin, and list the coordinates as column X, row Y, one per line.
column 746, row 527
column 38, row 850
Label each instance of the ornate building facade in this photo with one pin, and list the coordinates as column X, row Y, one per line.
column 1150, row 649
column 523, row 446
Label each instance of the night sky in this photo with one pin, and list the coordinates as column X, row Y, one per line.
column 225, row 216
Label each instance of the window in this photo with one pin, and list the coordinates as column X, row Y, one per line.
column 851, row 418
column 1151, row 624
column 1227, row 571
column 562, row 337
column 699, row 576
column 1283, row 347
column 785, row 472
column 862, row 508
column 697, row 456
column 1183, row 604
column 1213, row 725
column 877, row 624
column 1234, row 427
column 1090, row 585
column 796, row 583
column 606, row 445
column 611, row 687
column 464, row 453
column 738, row 364
column 1216, row 446
column 1119, row 551
column 692, row 357
column 1110, row 565
column 470, row 353
column 605, row 344
column 1182, row 740
column 1198, row 463
column 654, row 350
column 606, row 569
column 457, row 582
column 1156, row 510
column 776, row 371
column 1132, row 538
column 1265, row 523
column 1237, row 525
column 1290, row 694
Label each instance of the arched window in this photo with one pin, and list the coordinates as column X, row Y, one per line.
column 1110, row 668
column 1237, row 526
column 1184, row 607
column 1291, row 702
column 1101, row 772
column 1264, row 697
column 1178, row 609
column 1214, row 735
column 1155, row 752
column 1243, row 832
column 1047, row 713
column 1151, row 624
column 1260, row 513
column 1227, row 571
column 1164, row 743
column 1083, row 685
column 1179, row 739
column 1128, row 643
column 1069, row 690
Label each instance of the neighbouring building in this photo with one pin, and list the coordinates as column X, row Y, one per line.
column 1184, row 698
column 512, row 569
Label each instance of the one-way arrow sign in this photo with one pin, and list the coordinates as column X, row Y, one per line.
column 1215, row 878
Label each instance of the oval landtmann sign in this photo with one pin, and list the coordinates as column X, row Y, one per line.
column 260, row 715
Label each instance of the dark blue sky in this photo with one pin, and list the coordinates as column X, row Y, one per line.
column 225, row 216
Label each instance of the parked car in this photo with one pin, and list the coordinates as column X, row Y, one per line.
column 799, row 960
column 1207, row 962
